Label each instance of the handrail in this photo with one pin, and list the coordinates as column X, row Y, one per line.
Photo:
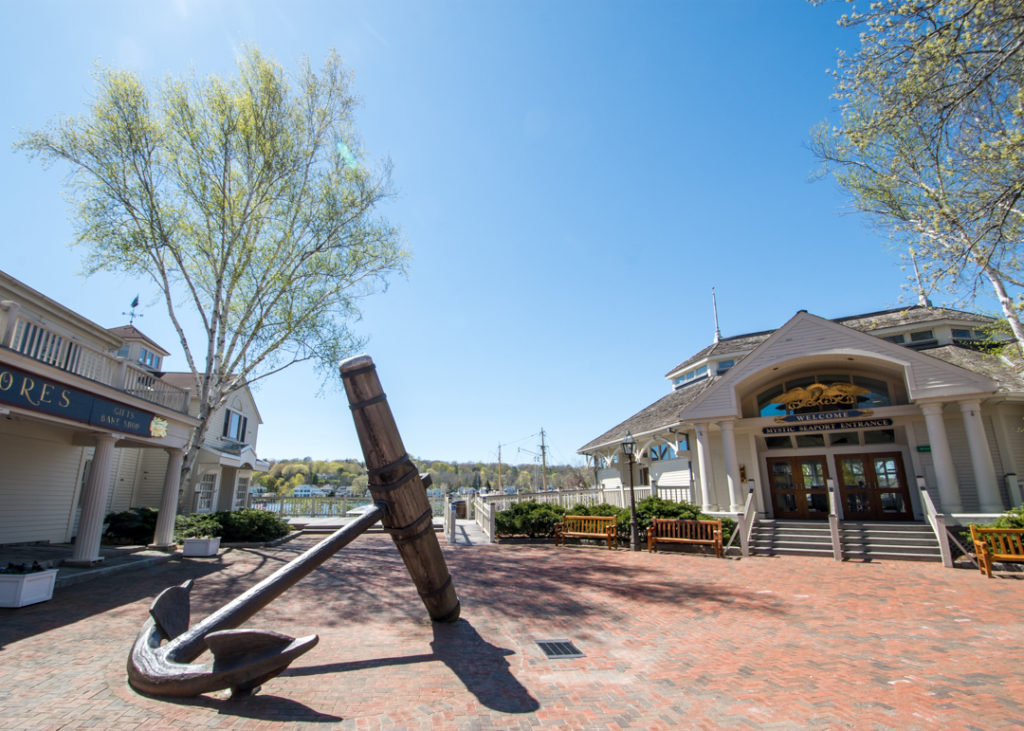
column 483, row 514
column 744, row 524
column 36, row 341
column 833, row 522
column 938, row 523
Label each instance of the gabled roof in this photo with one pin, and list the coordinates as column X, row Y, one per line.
column 130, row 332
column 983, row 369
column 867, row 322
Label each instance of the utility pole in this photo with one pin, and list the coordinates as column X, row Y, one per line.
column 543, row 461
column 499, row 468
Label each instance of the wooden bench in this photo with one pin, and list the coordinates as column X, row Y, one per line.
column 997, row 544
column 603, row 527
column 701, row 532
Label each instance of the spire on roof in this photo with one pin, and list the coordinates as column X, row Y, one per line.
column 714, row 305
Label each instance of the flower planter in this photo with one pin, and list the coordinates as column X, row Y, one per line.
column 201, row 546
column 17, row 590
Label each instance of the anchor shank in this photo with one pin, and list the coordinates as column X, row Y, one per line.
column 190, row 644
column 394, row 480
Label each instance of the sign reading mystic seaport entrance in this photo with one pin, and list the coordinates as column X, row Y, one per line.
column 29, row 391
column 831, row 424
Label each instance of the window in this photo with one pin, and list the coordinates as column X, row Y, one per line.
column 724, row 365
column 921, row 335
column 693, row 375
column 882, row 436
column 661, row 451
column 204, row 492
column 234, row 426
column 898, row 339
column 149, row 358
column 241, row 492
column 823, row 392
column 778, row 442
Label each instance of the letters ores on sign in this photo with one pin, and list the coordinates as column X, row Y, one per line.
column 28, row 391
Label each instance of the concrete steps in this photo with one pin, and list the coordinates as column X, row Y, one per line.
column 892, row 541
column 791, row 538
column 863, row 541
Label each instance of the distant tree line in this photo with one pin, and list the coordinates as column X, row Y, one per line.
column 348, row 476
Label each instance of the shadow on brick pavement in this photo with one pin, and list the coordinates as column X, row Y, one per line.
column 670, row 641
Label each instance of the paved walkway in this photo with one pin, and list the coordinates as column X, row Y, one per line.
column 670, row 641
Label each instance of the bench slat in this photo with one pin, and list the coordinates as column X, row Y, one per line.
column 997, row 544
column 703, row 532
column 588, row 526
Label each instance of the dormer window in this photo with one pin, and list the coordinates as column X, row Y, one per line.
column 693, row 375
column 724, row 365
column 149, row 358
column 921, row 336
column 898, row 339
column 234, row 426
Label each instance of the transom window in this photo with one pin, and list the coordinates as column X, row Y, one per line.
column 824, row 392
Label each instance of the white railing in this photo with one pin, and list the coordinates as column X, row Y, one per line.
column 745, row 522
column 35, row 341
column 449, row 521
column 483, row 514
column 937, row 521
column 833, row 522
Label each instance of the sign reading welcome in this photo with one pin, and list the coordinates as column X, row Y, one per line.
column 834, row 426
column 28, row 391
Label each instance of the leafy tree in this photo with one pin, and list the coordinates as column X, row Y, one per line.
column 243, row 200
column 931, row 138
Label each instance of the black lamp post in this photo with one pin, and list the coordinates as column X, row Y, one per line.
column 628, row 446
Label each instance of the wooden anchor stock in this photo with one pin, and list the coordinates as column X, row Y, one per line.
column 161, row 660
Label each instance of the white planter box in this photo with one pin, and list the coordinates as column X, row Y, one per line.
column 201, row 546
column 17, row 590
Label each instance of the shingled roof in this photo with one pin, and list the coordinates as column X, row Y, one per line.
column 664, row 412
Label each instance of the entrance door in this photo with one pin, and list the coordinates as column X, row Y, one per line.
column 873, row 487
column 798, row 487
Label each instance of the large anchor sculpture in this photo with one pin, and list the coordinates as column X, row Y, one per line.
column 162, row 658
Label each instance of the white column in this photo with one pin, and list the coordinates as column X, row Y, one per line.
column 164, row 534
column 945, row 474
column 94, row 503
column 981, row 458
column 704, row 462
column 732, row 466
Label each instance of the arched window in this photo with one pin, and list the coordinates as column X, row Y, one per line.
column 824, row 392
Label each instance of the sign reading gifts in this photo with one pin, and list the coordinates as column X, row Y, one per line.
column 29, row 391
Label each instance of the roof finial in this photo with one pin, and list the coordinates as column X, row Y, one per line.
column 922, row 298
column 714, row 305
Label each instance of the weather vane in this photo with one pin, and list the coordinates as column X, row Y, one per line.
column 132, row 314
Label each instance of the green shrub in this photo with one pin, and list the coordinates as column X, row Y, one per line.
column 197, row 525
column 528, row 518
column 135, row 526
column 1013, row 518
column 252, row 525
column 242, row 526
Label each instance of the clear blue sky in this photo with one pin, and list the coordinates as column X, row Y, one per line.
column 573, row 178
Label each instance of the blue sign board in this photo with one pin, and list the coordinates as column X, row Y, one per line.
column 29, row 391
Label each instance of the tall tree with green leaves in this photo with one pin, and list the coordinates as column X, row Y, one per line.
column 245, row 200
column 931, row 138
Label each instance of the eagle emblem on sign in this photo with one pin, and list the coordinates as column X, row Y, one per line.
column 158, row 427
column 818, row 394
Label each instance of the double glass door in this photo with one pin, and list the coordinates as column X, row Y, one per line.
column 873, row 487
column 799, row 487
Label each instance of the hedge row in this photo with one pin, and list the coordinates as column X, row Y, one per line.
column 136, row 526
column 538, row 520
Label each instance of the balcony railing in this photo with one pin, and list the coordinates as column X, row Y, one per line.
column 34, row 340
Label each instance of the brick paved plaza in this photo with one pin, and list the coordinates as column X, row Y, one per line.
column 671, row 641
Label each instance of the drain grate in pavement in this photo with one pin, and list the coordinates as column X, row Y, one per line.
column 558, row 649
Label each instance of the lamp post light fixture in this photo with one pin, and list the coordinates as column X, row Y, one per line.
column 628, row 447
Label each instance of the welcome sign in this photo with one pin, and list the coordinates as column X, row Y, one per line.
column 833, row 426
column 29, row 391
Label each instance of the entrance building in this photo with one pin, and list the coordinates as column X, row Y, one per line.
column 851, row 417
